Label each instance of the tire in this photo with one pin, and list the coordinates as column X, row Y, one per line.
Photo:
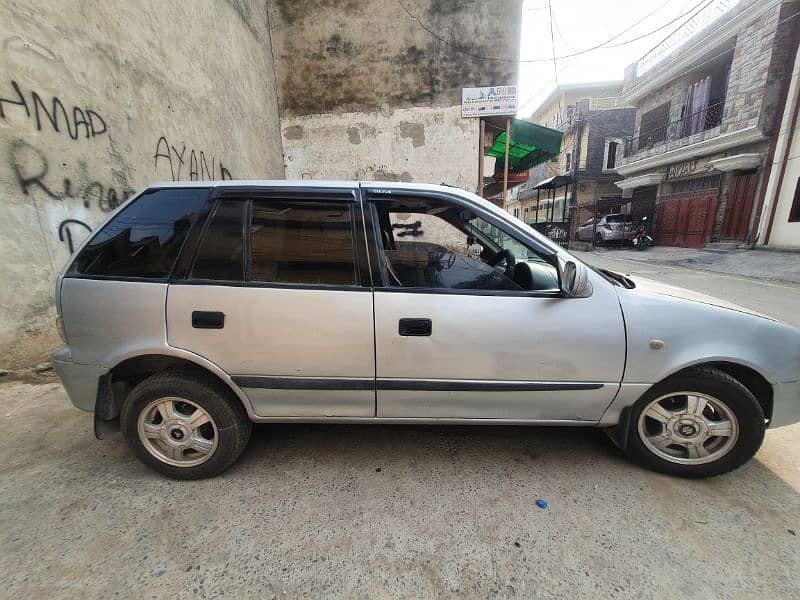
column 598, row 240
column 729, row 406
column 175, row 446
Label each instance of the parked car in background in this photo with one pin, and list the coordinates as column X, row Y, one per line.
column 199, row 308
column 613, row 227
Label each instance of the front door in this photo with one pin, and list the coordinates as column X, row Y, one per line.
column 469, row 321
column 739, row 205
column 276, row 296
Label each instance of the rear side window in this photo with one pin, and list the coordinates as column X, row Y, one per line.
column 143, row 240
column 221, row 255
column 302, row 242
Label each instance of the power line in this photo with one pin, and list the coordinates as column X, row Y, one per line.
column 553, row 43
column 554, row 23
column 671, row 33
column 688, row 70
column 645, row 17
column 604, row 44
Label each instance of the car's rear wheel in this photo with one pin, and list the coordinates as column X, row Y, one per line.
column 697, row 424
column 184, row 428
column 598, row 240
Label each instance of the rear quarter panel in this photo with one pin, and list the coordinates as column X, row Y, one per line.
column 107, row 321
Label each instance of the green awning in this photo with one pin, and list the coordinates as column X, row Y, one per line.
column 530, row 145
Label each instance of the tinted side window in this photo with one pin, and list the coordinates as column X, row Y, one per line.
column 221, row 252
column 302, row 242
column 144, row 239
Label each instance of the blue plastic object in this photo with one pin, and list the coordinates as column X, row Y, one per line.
column 541, row 503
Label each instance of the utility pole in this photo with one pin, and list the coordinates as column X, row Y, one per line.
column 575, row 160
column 505, row 168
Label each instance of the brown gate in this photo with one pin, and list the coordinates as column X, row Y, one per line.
column 741, row 194
column 686, row 219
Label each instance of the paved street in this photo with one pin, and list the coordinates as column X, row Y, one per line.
column 370, row 511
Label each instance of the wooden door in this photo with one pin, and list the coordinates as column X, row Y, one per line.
column 741, row 195
column 686, row 220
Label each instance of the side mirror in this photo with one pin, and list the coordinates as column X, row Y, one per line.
column 575, row 280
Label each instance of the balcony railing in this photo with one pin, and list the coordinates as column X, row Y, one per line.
column 688, row 125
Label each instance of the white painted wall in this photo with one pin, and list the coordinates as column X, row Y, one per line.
column 784, row 234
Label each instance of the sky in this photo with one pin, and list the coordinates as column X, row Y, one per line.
column 582, row 24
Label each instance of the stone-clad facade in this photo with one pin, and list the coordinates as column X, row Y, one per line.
column 708, row 178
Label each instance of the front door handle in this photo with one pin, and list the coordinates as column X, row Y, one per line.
column 417, row 327
column 208, row 319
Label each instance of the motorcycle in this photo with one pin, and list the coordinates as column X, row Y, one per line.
column 639, row 239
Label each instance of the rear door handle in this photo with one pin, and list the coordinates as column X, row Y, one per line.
column 417, row 327
column 208, row 319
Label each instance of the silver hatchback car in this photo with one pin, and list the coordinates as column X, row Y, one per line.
column 201, row 307
column 613, row 227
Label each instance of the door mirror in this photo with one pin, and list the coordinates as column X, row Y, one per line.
column 575, row 280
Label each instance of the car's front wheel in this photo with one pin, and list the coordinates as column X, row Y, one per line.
column 696, row 424
column 184, row 428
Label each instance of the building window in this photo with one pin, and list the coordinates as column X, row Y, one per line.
column 653, row 126
column 568, row 166
column 612, row 154
column 794, row 214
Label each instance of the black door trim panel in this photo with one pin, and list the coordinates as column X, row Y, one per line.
column 456, row 385
column 303, row 383
column 432, row 385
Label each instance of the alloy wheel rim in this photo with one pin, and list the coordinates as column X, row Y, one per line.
column 688, row 428
column 178, row 432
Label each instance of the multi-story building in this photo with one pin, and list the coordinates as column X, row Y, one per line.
column 595, row 121
column 707, row 112
column 780, row 224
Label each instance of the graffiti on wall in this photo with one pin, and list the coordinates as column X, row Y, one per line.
column 52, row 114
column 30, row 163
column 192, row 166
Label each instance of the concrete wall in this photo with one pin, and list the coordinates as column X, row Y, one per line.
column 365, row 92
column 99, row 98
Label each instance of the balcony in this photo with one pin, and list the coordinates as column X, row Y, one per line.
column 656, row 137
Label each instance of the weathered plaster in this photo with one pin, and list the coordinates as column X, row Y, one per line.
column 433, row 145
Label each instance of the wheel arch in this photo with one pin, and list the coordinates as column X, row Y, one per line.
column 754, row 381
column 616, row 420
column 127, row 373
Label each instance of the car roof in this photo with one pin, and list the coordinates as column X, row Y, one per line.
column 306, row 183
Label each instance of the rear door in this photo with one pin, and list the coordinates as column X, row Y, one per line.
column 277, row 293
